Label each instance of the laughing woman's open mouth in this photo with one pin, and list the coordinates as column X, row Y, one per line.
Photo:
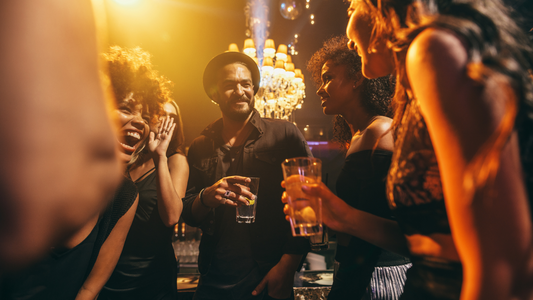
column 130, row 140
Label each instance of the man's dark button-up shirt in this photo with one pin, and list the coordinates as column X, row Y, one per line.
column 269, row 144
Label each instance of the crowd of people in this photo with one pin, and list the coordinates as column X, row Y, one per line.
column 433, row 105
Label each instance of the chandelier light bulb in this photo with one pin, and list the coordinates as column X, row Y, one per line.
column 233, row 48
column 282, row 52
column 270, row 49
column 249, row 47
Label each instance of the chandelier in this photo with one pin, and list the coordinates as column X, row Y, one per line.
column 282, row 87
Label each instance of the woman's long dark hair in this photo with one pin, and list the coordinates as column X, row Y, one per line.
column 178, row 139
column 496, row 47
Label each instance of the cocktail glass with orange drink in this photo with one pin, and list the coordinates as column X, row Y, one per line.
column 305, row 211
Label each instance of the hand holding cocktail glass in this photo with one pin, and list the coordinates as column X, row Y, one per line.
column 246, row 213
column 231, row 191
column 334, row 209
column 305, row 211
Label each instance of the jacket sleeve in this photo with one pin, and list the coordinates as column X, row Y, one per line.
column 297, row 144
column 194, row 186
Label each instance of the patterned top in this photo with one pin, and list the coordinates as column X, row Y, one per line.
column 414, row 188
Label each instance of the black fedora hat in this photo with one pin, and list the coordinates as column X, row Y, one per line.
column 226, row 58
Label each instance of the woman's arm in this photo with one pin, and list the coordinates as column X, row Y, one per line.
column 341, row 217
column 491, row 229
column 108, row 256
column 172, row 175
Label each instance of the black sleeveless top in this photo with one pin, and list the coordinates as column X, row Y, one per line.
column 61, row 274
column 147, row 267
column 361, row 184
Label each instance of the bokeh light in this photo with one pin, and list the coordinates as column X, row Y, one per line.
column 127, row 2
column 291, row 9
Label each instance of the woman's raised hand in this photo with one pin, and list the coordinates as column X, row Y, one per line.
column 158, row 143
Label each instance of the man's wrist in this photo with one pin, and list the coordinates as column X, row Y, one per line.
column 201, row 196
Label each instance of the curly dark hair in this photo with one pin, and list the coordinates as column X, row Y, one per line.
column 130, row 73
column 376, row 93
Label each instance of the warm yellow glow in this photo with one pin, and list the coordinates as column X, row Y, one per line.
column 289, row 67
column 270, row 48
column 282, row 52
column 249, row 43
column 249, row 47
column 282, row 48
column 279, row 68
column 127, row 2
column 267, row 61
column 100, row 16
column 298, row 76
column 269, row 44
column 233, row 48
column 280, row 65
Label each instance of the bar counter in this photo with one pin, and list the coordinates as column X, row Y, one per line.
column 309, row 285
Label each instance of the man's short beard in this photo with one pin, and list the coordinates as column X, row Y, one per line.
column 238, row 115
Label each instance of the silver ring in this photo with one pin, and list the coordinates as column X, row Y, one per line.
column 226, row 194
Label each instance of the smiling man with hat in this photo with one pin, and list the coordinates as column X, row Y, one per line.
column 238, row 260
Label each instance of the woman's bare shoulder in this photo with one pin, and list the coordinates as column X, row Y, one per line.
column 376, row 136
column 178, row 160
column 438, row 49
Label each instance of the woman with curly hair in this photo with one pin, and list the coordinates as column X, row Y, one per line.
column 79, row 267
column 147, row 268
column 362, row 126
column 463, row 161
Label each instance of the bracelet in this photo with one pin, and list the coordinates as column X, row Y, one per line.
column 201, row 194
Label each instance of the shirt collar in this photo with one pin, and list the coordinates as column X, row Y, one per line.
column 215, row 129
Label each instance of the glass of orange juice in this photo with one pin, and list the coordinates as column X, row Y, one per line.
column 305, row 211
